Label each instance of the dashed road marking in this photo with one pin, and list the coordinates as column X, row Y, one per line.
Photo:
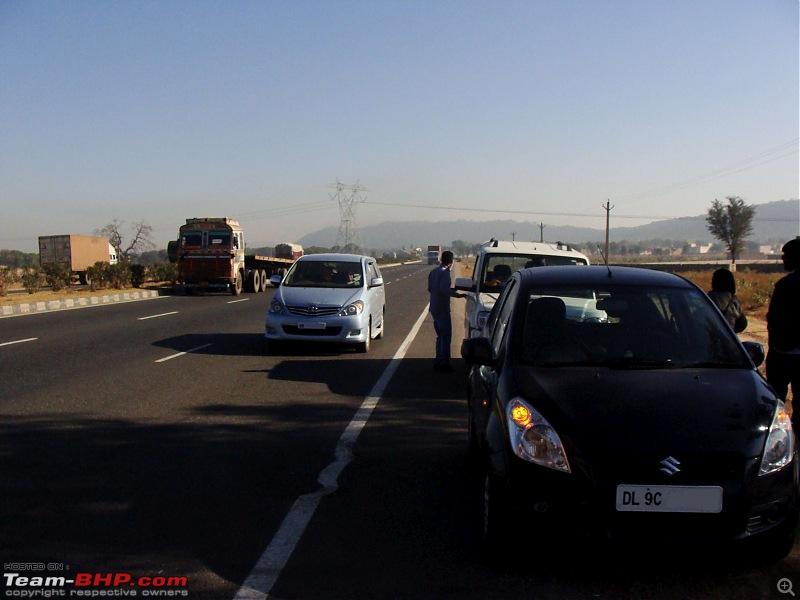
column 18, row 341
column 174, row 312
column 166, row 358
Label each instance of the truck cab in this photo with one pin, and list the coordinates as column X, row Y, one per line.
column 210, row 254
column 495, row 262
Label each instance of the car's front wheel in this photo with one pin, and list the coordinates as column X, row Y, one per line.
column 363, row 347
column 496, row 506
column 382, row 331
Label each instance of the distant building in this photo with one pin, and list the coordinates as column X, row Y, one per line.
column 695, row 249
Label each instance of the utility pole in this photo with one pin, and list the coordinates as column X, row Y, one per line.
column 513, row 236
column 607, row 206
column 541, row 232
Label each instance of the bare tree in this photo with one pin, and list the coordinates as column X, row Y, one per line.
column 141, row 240
column 731, row 223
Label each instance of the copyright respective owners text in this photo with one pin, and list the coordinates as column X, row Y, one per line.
column 61, row 580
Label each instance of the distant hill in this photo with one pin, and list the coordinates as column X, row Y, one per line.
column 774, row 222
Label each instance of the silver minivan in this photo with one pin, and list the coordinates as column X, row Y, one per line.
column 328, row 298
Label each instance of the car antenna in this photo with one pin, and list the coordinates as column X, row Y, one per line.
column 600, row 250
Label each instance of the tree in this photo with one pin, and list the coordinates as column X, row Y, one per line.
column 140, row 241
column 731, row 223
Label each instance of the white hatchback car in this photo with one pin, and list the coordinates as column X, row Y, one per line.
column 328, row 298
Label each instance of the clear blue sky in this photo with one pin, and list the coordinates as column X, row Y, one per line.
column 161, row 110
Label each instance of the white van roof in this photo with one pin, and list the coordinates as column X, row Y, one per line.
column 513, row 247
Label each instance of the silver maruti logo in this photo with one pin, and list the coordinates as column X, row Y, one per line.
column 670, row 466
column 312, row 309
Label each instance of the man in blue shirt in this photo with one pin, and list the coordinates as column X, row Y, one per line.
column 441, row 292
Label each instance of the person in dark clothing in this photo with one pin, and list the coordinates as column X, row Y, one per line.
column 783, row 328
column 723, row 293
column 440, row 291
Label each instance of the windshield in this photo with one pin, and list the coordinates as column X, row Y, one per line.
column 325, row 274
column 192, row 239
column 626, row 327
column 498, row 268
column 219, row 239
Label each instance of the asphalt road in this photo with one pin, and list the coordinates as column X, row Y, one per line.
column 155, row 439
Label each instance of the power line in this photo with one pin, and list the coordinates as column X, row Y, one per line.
column 544, row 213
column 782, row 151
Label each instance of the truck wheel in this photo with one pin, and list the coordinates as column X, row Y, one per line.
column 256, row 281
column 236, row 288
column 264, row 280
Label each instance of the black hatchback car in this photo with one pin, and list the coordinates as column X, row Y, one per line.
column 618, row 401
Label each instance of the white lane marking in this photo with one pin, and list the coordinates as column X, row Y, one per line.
column 268, row 568
column 174, row 312
column 165, row 359
column 240, row 300
column 18, row 341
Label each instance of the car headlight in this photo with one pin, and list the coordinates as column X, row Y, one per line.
column 482, row 317
column 351, row 310
column 275, row 307
column 779, row 449
column 533, row 438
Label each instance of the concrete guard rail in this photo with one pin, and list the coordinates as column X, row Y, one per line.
column 66, row 303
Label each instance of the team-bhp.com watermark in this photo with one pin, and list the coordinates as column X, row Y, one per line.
column 39, row 580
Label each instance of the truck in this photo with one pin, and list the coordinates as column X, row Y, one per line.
column 210, row 255
column 495, row 262
column 434, row 254
column 77, row 252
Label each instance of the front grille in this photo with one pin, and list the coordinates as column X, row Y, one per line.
column 645, row 467
column 314, row 311
column 327, row 332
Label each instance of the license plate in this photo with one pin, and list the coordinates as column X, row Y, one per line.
column 669, row 498
column 313, row 325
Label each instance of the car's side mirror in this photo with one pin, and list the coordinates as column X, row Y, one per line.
column 756, row 352
column 376, row 281
column 276, row 280
column 477, row 351
column 464, row 284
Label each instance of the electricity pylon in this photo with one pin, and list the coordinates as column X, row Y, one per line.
column 348, row 196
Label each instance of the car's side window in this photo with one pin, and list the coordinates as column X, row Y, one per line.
column 371, row 272
column 503, row 315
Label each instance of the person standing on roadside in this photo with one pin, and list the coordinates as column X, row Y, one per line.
column 783, row 328
column 723, row 293
column 439, row 287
